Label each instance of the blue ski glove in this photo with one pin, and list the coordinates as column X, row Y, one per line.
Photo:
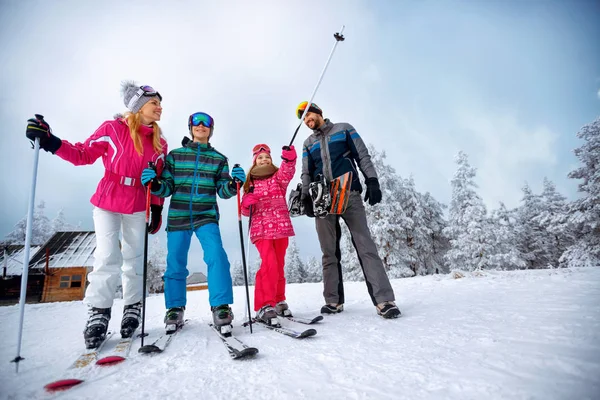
column 147, row 175
column 238, row 174
column 38, row 128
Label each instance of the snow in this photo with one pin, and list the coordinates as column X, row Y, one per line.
column 494, row 335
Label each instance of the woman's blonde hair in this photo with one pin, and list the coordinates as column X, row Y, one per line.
column 134, row 121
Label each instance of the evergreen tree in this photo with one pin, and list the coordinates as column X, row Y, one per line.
column 314, row 270
column 468, row 230
column 584, row 213
column 157, row 265
column 41, row 229
column 506, row 255
column 532, row 238
column 295, row 271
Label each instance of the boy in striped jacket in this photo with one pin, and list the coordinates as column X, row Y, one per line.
column 193, row 175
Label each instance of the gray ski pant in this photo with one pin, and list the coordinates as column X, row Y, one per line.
column 330, row 233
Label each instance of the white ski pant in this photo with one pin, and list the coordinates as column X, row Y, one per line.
column 111, row 258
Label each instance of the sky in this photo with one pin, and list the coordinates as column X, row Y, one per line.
column 508, row 82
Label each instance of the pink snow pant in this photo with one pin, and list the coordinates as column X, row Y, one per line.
column 270, row 278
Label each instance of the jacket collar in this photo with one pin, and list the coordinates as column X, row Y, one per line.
column 325, row 128
column 198, row 145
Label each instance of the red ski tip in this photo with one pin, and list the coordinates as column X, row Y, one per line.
column 110, row 360
column 63, row 384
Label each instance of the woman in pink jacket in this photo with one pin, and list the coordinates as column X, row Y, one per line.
column 126, row 145
column 270, row 227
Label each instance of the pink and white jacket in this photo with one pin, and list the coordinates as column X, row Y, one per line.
column 120, row 190
column 270, row 216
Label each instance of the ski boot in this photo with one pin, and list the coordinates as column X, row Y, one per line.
column 132, row 316
column 388, row 310
column 332, row 308
column 319, row 193
column 174, row 319
column 282, row 309
column 96, row 327
column 267, row 315
column 222, row 318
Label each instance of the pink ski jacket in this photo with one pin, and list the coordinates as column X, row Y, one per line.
column 120, row 190
column 270, row 216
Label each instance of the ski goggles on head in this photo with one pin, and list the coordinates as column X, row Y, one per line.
column 313, row 108
column 145, row 90
column 261, row 148
column 201, row 118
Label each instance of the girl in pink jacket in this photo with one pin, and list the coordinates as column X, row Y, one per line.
column 126, row 145
column 270, row 226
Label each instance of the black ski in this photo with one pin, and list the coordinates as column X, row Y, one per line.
column 306, row 321
column 287, row 331
column 236, row 348
column 160, row 344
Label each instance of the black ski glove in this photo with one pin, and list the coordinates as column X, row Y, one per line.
column 37, row 128
column 373, row 192
column 308, row 206
column 155, row 219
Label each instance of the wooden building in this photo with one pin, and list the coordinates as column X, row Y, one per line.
column 11, row 263
column 196, row 281
column 65, row 260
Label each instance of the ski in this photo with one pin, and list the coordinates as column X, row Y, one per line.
column 118, row 353
column 76, row 372
column 288, row 331
column 236, row 348
column 160, row 344
column 306, row 321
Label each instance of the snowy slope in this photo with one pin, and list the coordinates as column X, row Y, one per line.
column 505, row 335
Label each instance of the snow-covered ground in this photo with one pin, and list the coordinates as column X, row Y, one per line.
column 504, row 335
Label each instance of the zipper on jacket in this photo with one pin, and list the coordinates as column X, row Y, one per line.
column 193, row 189
column 327, row 169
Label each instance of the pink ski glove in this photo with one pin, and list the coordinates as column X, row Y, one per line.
column 249, row 199
column 289, row 154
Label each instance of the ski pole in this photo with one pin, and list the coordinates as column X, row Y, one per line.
column 338, row 38
column 24, row 276
column 148, row 200
column 239, row 205
column 251, row 190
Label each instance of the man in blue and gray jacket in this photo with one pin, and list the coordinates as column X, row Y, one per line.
column 331, row 151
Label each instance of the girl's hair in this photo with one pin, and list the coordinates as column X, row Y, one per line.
column 249, row 181
column 134, row 121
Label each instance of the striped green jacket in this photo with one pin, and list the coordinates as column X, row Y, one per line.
column 193, row 175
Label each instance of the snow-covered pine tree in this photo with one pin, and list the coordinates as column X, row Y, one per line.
column 532, row 239
column 314, row 269
column 351, row 269
column 584, row 213
column 468, row 228
column 416, row 232
column 437, row 244
column 237, row 273
column 506, row 255
column 41, row 229
column 295, row 271
column 157, row 265
column 554, row 219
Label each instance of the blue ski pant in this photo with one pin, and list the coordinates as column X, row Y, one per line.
column 218, row 274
